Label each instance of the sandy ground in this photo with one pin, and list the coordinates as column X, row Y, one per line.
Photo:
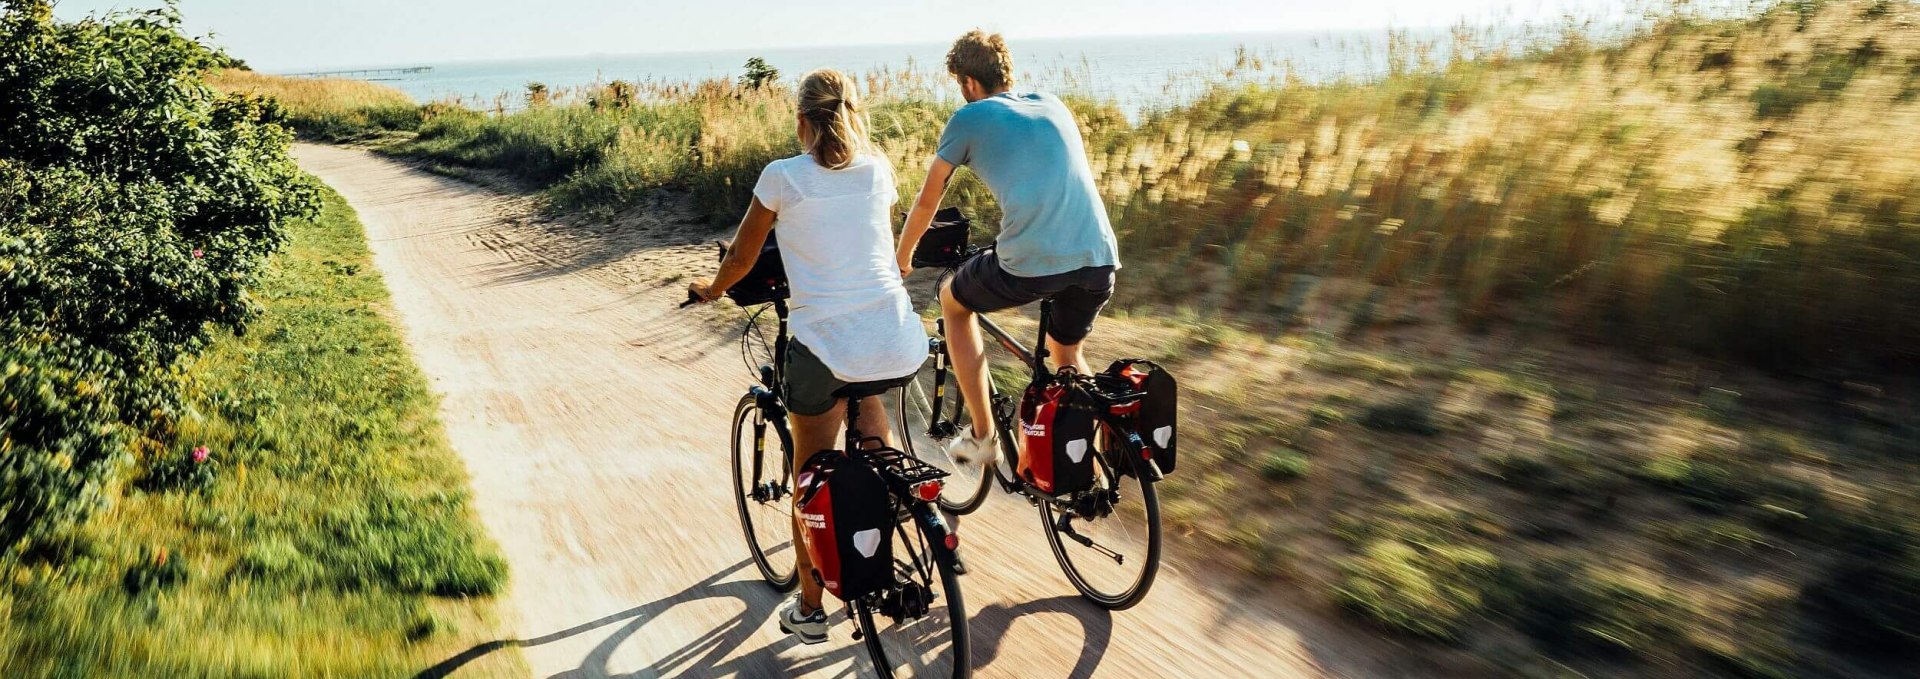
column 593, row 418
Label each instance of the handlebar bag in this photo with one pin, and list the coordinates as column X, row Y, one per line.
column 945, row 241
column 1056, row 437
column 848, row 520
column 1156, row 418
column 766, row 281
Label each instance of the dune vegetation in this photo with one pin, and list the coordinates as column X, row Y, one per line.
column 1733, row 187
column 327, row 109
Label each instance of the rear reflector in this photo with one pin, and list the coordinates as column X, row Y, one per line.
column 928, row 491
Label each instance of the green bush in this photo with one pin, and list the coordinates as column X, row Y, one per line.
column 1284, row 464
column 1406, row 416
column 136, row 206
column 1431, row 590
column 1572, row 608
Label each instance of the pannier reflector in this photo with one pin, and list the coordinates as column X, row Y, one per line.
column 867, row 541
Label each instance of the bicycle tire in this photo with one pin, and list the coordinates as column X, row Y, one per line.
column 956, row 609
column 1118, row 598
column 781, row 576
column 966, row 488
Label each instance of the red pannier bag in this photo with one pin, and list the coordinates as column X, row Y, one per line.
column 1156, row 417
column 848, row 520
column 1056, row 436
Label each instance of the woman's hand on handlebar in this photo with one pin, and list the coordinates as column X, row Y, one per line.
column 701, row 291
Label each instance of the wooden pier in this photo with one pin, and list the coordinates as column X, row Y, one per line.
column 365, row 73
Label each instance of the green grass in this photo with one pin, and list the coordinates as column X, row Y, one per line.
column 329, row 533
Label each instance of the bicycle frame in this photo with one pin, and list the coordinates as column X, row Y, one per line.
column 1036, row 361
column 773, row 409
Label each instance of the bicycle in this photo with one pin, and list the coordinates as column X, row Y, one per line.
column 925, row 587
column 930, row 415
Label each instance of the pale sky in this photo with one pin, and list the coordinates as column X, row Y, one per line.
column 296, row 34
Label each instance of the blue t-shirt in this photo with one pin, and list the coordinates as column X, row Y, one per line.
column 1028, row 150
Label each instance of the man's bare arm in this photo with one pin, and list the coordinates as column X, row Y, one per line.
column 921, row 216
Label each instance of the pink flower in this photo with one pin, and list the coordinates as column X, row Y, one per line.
column 199, row 253
column 200, row 454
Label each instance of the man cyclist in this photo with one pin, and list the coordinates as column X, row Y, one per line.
column 1055, row 240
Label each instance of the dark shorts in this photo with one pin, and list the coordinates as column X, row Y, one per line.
column 982, row 286
column 810, row 384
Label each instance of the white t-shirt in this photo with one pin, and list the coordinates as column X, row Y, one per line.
column 836, row 241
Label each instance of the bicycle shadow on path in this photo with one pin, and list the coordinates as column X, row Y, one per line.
column 707, row 655
column 988, row 627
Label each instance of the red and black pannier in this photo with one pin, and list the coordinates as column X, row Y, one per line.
column 849, row 521
column 1056, row 436
column 945, row 242
column 1156, row 416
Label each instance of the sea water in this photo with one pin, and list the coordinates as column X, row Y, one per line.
column 1134, row 72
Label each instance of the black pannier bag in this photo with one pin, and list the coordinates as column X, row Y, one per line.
column 849, row 522
column 1056, row 437
column 766, row 281
column 1156, row 417
column 945, row 241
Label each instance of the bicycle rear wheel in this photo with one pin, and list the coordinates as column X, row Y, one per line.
column 1108, row 542
column 927, row 434
column 763, row 492
column 932, row 644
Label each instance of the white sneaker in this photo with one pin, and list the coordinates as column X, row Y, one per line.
column 811, row 628
column 966, row 449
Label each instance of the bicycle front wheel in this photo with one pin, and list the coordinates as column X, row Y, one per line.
column 1108, row 539
column 763, row 492
column 928, row 432
column 931, row 644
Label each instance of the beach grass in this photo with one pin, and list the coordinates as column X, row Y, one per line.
column 328, row 109
column 1719, row 186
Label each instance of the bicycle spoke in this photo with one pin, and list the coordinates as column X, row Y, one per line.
column 1107, row 540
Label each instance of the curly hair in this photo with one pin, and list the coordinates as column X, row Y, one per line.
column 983, row 57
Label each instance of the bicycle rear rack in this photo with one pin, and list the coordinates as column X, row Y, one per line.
column 902, row 467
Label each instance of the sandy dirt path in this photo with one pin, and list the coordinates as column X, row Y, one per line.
column 593, row 416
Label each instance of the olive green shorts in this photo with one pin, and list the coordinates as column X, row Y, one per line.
column 810, row 385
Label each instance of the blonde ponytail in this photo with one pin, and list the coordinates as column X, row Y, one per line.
column 830, row 103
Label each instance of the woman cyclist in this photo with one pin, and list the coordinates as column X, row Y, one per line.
column 852, row 319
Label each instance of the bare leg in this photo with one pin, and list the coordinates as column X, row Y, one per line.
column 1067, row 354
column 811, row 434
column 873, row 420
column 969, row 356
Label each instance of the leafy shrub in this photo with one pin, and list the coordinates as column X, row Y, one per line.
column 1284, row 464
column 136, row 206
column 1570, row 607
column 184, row 471
column 1430, row 590
column 159, row 570
column 1407, row 416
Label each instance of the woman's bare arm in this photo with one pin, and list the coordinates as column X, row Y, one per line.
column 747, row 242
